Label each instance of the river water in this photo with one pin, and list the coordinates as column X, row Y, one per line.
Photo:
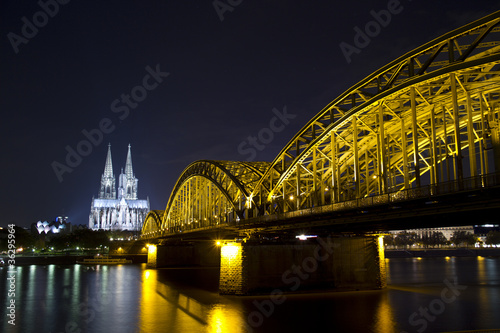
column 423, row 295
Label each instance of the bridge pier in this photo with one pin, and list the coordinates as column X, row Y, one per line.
column 183, row 254
column 344, row 263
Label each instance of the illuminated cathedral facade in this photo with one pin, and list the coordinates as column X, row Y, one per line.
column 118, row 209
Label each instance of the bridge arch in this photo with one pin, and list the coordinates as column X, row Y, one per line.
column 209, row 193
column 152, row 222
column 398, row 128
column 429, row 118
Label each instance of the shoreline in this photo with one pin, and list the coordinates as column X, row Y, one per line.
column 436, row 253
column 71, row 259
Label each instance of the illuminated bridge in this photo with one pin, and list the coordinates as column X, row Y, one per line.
column 418, row 137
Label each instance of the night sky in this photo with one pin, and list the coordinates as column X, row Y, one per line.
column 178, row 80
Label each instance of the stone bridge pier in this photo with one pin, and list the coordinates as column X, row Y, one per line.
column 247, row 268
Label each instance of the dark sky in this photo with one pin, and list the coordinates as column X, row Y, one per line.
column 225, row 78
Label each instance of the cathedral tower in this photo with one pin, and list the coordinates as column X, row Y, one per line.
column 122, row 212
column 108, row 184
column 127, row 183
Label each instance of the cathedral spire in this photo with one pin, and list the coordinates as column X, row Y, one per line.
column 108, row 187
column 128, row 165
column 108, row 168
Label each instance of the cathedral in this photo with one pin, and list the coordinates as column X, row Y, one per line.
column 118, row 210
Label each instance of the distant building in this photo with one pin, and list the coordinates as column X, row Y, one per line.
column 60, row 225
column 482, row 230
column 43, row 231
column 118, row 210
column 447, row 231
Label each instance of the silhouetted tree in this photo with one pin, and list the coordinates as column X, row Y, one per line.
column 493, row 238
column 436, row 238
column 405, row 238
column 389, row 240
column 83, row 238
column 463, row 237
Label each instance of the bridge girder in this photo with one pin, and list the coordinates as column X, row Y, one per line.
column 397, row 126
column 209, row 193
column 427, row 118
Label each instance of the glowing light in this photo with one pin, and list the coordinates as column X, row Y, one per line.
column 217, row 243
column 381, row 242
column 152, row 249
column 305, row 237
column 230, row 251
column 291, row 197
column 447, row 258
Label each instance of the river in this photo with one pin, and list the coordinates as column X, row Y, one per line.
column 423, row 295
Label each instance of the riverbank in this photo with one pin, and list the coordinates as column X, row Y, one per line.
column 430, row 253
column 71, row 259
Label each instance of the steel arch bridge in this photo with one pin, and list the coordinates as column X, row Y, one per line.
column 428, row 119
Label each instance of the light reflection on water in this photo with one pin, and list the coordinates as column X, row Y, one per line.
column 163, row 305
column 132, row 298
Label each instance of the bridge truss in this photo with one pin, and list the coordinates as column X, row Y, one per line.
column 429, row 118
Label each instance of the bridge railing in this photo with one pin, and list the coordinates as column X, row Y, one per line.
column 430, row 192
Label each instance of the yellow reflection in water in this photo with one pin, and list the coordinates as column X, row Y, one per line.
column 217, row 321
column 481, row 270
column 226, row 317
column 148, row 310
column 384, row 316
column 484, row 296
column 164, row 307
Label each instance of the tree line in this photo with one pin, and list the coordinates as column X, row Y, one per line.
column 459, row 238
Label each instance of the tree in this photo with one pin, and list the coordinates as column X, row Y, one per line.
column 493, row 238
column 436, row 238
column 61, row 242
column 82, row 238
column 86, row 238
column 405, row 238
column 463, row 237
column 23, row 239
column 389, row 240
column 426, row 241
